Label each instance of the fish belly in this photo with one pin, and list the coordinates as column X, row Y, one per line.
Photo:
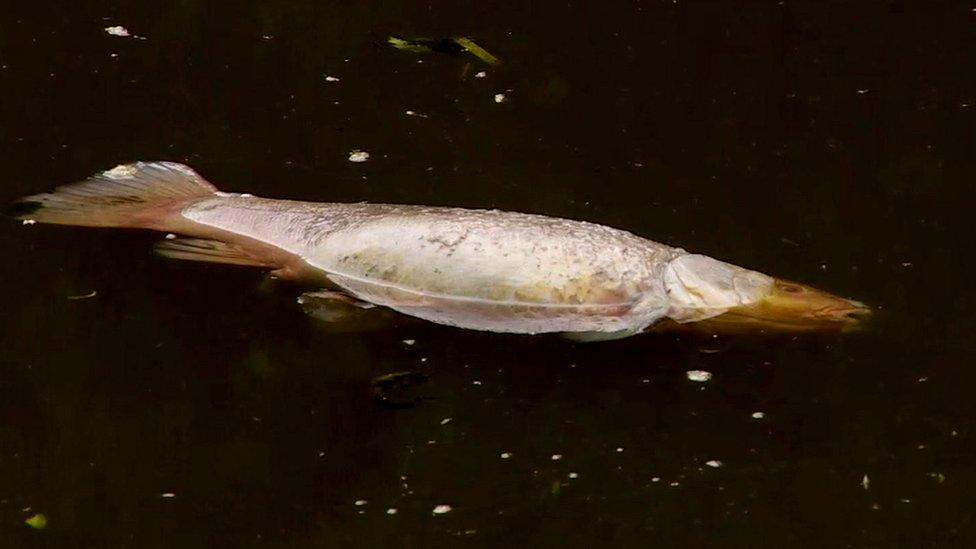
column 475, row 269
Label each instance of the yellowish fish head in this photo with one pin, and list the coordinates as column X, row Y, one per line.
column 792, row 307
column 711, row 295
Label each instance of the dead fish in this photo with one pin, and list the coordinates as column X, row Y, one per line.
column 475, row 269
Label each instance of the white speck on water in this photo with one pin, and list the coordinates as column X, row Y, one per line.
column 673, row 484
column 357, row 155
column 923, row 379
column 557, row 457
column 360, row 502
column 645, row 380
column 655, row 479
column 28, row 222
column 714, row 463
column 321, row 454
column 862, row 92
column 758, row 415
column 167, row 495
column 423, row 359
column 441, row 509
column 409, row 341
column 938, row 477
column 480, row 74
column 573, row 475
column 170, row 236
column 391, row 511
column 700, row 376
column 905, row 500
column 619, row 449
column 446, row 420
column 865, row 482
column 476, row 382
column 505, row 455
column 331, row 79
column 415, row 113
column 500, row 98
column 117, row 30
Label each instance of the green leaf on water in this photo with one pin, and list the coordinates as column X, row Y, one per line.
column 37, row 521
column 476, row 50
column 455, row 46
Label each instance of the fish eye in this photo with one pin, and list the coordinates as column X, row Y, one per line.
column 791, row 288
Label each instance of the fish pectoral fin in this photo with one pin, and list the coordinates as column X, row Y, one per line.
column 210, row 251
column 340, row 311
column 333, row 298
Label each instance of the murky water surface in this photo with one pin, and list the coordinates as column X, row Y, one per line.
column 188, row 405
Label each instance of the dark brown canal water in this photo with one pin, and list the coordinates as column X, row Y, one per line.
column 190, row 405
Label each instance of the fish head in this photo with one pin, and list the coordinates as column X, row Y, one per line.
column 720, row 297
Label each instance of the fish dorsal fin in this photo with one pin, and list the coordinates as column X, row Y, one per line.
column 210, row 251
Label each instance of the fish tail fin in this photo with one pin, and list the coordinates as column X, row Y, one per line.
column 138, row 195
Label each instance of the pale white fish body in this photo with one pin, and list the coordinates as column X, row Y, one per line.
column 475, row 269
column 486, row 270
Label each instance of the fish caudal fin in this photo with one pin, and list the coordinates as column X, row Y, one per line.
column 139, row 195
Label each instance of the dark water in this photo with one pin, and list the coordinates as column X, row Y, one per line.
column 828, row 142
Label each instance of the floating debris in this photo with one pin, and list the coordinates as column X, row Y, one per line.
column 758, row 415
column 446, row 420
column 361, row 502
column 573, row 475
column 505, row 455
column 865, row 482
column 557, row 457
column 357, row 155
column 937, row 477
column 118, row 30
column 655, row 479
column 89, row 295
column 476, row 50
column 454, row 46
column 480, row 74
column 391, row 511
column 441, row 509
column 700, row 376
column 500, row 98
column 329, row 78
column 619, row 450
column 167, row 495
column 409, row 341
column 714, row 463
column 37, row 521
column 415, row 113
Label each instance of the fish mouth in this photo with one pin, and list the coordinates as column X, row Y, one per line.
column 791, row 307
